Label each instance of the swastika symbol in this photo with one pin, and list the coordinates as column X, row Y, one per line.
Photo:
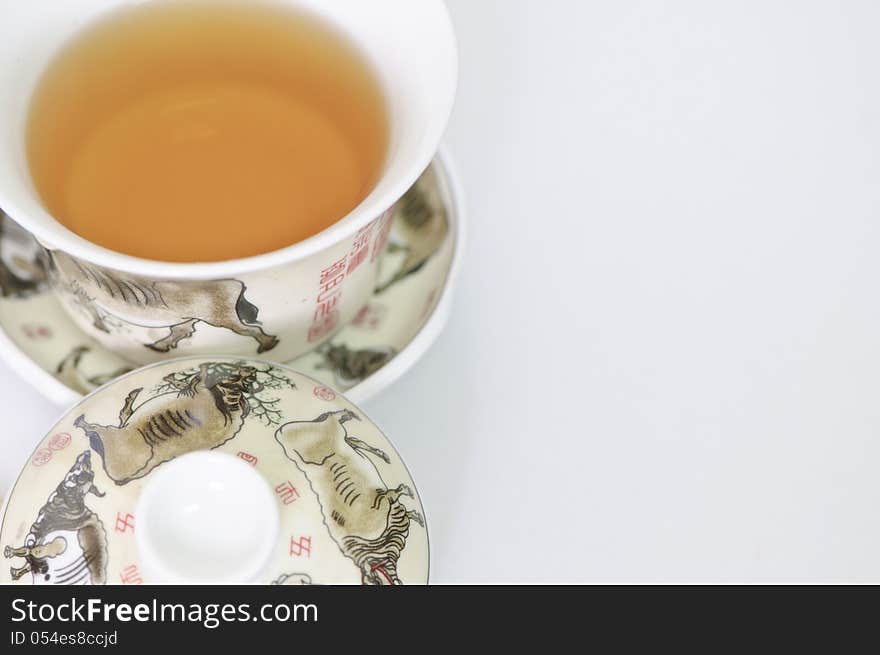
column 287, row 492
column 124, row 522
column 131, row 575
column 301, row 547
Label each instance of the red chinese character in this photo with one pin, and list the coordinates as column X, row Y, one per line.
column 325, row 394
column 287, row 492
column 42, row 456
column 330, row 288
column 362, row 239
column 59, row 441
column 370, row 317
column 35, row 331
column 332, row 271
column 131, row 575
column 250, row 459
column 357, row 259
column 361, row 316
column 325, row 309
column 382, row 237
column 363, row 234
column 124, row 522
column 324, row 327
column 301, row 547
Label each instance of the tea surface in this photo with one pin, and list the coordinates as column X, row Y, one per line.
column 195, row 131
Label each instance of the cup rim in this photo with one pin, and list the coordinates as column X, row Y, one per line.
column 56, row 236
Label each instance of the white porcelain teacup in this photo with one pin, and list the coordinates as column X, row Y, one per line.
column 279, row 304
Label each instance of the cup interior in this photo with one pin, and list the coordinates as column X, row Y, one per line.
column 411, row 46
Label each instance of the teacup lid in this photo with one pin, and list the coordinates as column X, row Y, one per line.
column 214, row 470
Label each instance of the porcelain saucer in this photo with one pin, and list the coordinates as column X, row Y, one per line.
column 408, row 309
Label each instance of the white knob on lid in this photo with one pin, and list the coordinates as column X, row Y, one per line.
column 205, row 518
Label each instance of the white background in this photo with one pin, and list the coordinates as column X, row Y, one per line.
column 664, row 359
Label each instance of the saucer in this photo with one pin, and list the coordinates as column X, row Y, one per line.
column 214, row 470
column 407, row 312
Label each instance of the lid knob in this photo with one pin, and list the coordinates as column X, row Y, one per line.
column 205, row 517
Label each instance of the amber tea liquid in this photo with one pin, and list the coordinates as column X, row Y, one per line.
column 194, row 131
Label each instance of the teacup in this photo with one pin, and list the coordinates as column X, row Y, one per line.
column 279, row 304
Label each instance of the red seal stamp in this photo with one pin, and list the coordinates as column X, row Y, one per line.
column 325, row 394
column 59, row 441
column 36, row 332
column 370, row 317
column 42, row 456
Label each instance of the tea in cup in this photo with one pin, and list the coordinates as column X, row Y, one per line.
column 218, row 175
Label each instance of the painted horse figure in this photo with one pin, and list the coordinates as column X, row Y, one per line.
column 351, row 366
column 201, row 411
column 22, row 261
column 420, row 228
column 179, row 306
column 67, row 543
column 367, row 520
